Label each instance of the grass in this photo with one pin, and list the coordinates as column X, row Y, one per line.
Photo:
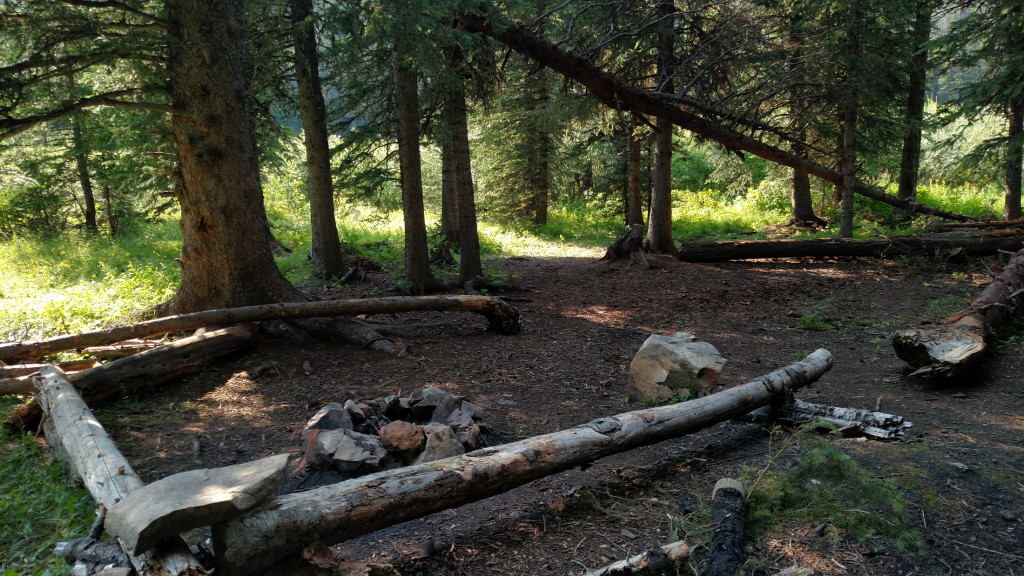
column 39, row 508
column 810, row 482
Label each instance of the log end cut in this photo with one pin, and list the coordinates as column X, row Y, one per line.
column 939, row 350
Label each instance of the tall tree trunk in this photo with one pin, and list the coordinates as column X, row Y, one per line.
column 327, row 257
column 911, row 161
column 449, row 193
column 82, row 163
column 470, row 268
column 848, row 109
column 659, row 222
column 225, row 256
column 635, row 213
column 800, row 203
column 417, row 264
column 1014, row 158
column 539, row 170
column 108, row 202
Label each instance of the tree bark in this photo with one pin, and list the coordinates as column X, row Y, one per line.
column 848, row 110
column 961, row 339
column 502, row 317
column 417, row 256
column 80, row 439
column 449, row 193
column 729, row 513
column 145, row 369
column 470, row 267
column 283, row 525
column 659, row 221
column 619, row 95
column 911, row 161
column 539, row 135
column 1014, row 159
column 968, row 243
column 328, row 261
column 225, row 255
column 629, row 245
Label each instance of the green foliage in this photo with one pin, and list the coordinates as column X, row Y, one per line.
column 815, row 321
column 938, row 309
column 821, row 484
column 72, row 283
column 40, row 507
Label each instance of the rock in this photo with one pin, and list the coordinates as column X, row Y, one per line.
column 192, row 499
column 466, row 429
column 331, row 417
column 310, row 455
column 676, row 366
column 424, row 402
column 441, row 443
column 394, row 410
column 403, row 437
column 445, row 407
column 351, row 452
column 355, row 412
column 475, row 411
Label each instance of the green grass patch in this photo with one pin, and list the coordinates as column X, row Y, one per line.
column 822, row 485
column 39, row 508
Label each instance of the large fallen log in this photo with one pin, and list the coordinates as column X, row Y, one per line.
column 619, row 95
column 145, row 369
column 17, row 379
column 960, row 340
column 78, row 437
column 284, row 525
column 502, row 316
column 966, row 242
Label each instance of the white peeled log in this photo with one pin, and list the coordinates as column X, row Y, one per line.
column 75, row 433
column 282, row 526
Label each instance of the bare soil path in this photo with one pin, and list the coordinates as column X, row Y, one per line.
column 961, row 469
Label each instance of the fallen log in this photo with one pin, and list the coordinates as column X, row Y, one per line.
column 17, row 379
column 729, row 513
column 78, row 437
column 283, row 525
column 121, row 349
column 655, row 561
column 960, row 340
column 502, row 316
column 878, row 425
column 968, row 243
column 145, row 369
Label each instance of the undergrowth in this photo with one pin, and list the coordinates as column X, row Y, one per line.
column 808, row 481
column 39, row 508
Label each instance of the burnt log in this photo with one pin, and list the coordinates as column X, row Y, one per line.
column 729, row 513
column 282, row 526
column 79, row 438
column 960, row 340
column 146, row 369
column 503, row 318
column 965, row 243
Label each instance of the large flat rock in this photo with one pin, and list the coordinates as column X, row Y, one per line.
column 192, row 499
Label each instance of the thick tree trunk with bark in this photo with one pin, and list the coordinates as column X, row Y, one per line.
column 848, row 111
column 659, row 221
column 962, row 243
column 502, row 317
column 619, row 95
column 449, row 193
column 285, row 524
column 328, row 261
column 225, row 255
column 417, row 257
column 961, row 339
column 1014, row 158
column 629, row 245
column 911, row 161
column 80, row 439
column 470, row 267
column 143, row 370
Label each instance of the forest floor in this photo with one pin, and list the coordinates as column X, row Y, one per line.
column 960, row 468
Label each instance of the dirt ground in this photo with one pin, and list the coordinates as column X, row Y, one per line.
column 959, row 468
